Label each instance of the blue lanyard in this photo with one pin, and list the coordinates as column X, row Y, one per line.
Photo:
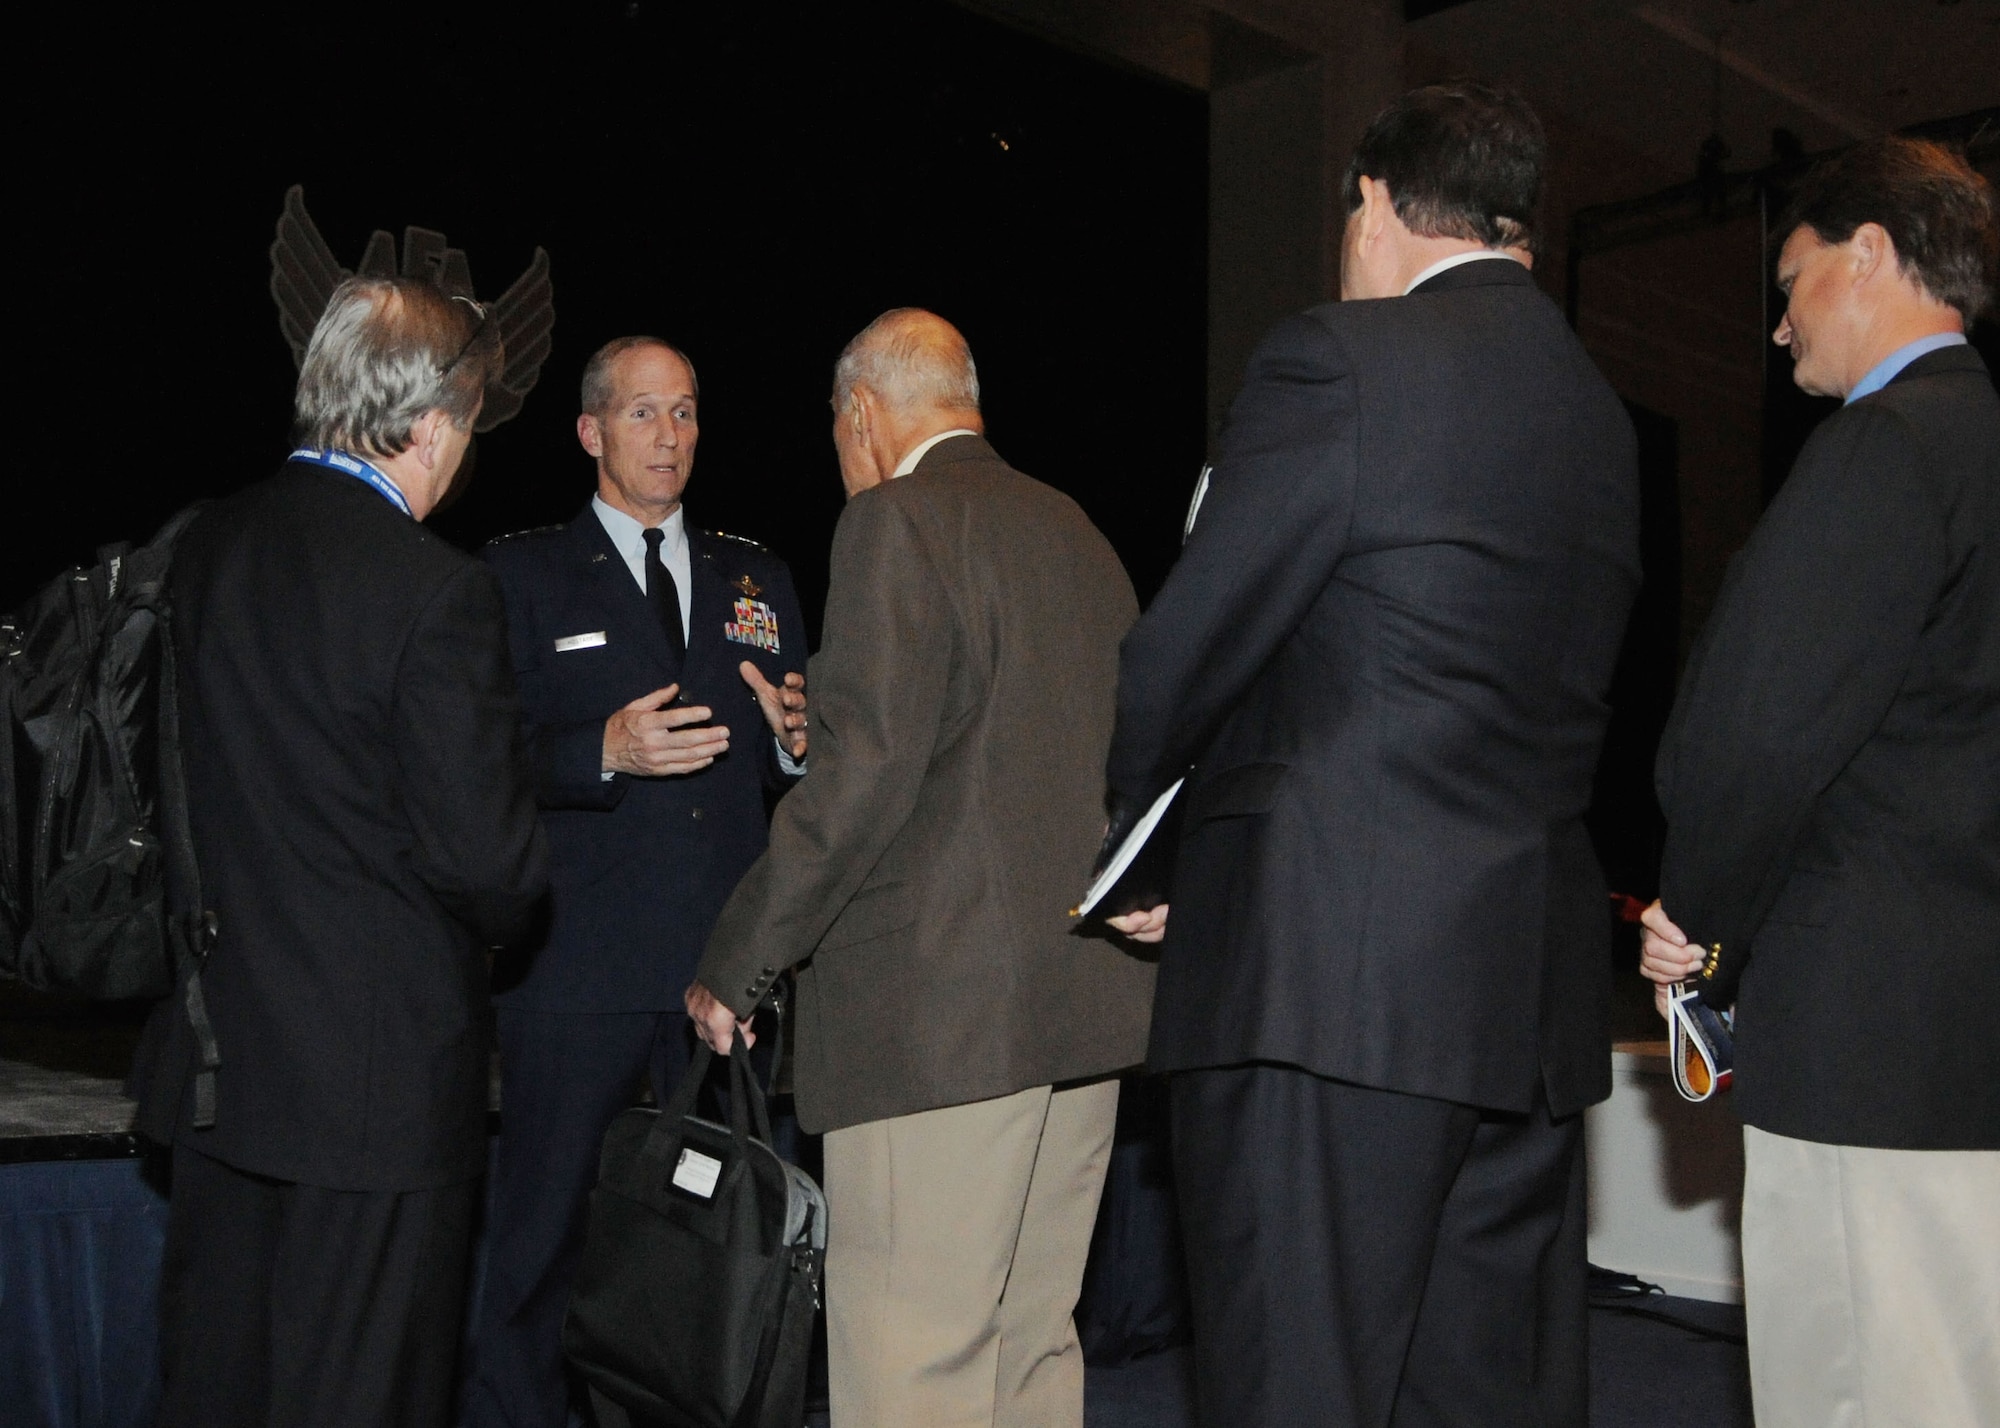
column 354, row 466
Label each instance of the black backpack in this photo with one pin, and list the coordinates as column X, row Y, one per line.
column 97, row 870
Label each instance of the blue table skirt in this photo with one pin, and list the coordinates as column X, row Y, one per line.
column 80, row 1245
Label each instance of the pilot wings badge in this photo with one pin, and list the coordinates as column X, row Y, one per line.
column 304, row 274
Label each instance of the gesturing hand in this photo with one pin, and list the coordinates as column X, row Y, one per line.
column 1664, row 954
column 784, row 706
column 648, row 739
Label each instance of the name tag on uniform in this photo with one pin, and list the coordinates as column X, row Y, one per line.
column 756, row 624
column 581, row 642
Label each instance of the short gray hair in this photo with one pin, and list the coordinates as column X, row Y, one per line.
column 597, row 392
column 386, row 351
column 909, row 358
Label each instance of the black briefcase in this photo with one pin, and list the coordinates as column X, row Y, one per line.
column 695, row 1296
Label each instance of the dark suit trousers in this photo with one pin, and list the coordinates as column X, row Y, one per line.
column 563, row 1076
column 1360, row 1257
column 287, row 1304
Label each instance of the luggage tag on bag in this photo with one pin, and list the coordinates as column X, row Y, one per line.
column 697, row 1174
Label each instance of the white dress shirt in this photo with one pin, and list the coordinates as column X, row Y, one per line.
column 630, row 539
column 922, row 449
column 1456, row 259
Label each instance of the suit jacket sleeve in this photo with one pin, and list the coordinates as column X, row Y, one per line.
column 1271, row 529
column 1811, row 638
column 456, row 730
column 877, row 704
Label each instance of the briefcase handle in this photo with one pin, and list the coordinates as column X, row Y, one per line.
column 748, row 1114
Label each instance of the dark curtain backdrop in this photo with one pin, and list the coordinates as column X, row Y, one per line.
column 753, row 182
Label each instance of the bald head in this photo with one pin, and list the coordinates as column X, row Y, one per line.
column 911, row 360
column 906, row 377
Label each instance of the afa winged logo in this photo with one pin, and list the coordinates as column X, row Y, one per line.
column 304, row 274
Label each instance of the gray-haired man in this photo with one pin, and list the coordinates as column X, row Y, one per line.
column 366, row 830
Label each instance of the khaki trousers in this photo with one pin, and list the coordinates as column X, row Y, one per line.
column 1871, row 1284
column 955, row 1249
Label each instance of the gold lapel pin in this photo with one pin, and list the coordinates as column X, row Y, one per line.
column 748, row 586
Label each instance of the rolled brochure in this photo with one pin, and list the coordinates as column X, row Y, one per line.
column 1130, row 883
column 1701, row 1044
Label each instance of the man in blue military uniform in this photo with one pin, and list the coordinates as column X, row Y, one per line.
column 659, row 671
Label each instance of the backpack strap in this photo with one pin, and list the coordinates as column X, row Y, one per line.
column 204, row 1032
column 191, row 924
column 13, row 896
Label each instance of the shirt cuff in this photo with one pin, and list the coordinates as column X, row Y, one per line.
column 787, row 765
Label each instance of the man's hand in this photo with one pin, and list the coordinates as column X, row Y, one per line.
column 647, row 739
column 1665, row 957
column 1149, row 925
column 713, row 1022
column 784, row 706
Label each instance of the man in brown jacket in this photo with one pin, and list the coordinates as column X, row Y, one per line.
column 955, row 1042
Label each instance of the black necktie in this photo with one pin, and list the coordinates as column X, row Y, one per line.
column 665, row 599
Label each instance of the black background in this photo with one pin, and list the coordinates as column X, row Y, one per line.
column 754, row 183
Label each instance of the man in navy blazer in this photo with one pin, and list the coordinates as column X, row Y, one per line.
column 662, row 701
column 1831, row 780
column 1383, row 654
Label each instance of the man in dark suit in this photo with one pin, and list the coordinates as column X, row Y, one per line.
column 955, row 1043
column 1831, row 778
column 1384, row 654
column 662, row 699
column 365, row 829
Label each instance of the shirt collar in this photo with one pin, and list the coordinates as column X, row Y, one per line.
column 630, row 536
column 1454, row 261
column 1884, row 372
column 922, row 449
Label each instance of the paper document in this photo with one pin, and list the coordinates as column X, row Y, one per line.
column 1194, row 506
column 1128, row 851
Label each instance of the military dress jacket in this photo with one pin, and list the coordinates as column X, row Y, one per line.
column 640, row 867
